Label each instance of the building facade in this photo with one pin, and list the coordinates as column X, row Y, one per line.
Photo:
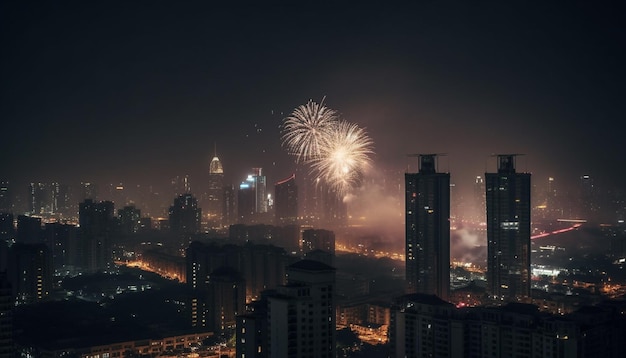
column 428, row 229
column 508, row 232
column 286, row 201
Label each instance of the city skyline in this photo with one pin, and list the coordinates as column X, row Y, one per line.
column 136, row 93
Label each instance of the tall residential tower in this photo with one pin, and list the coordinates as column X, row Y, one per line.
column 508, row 231
column 427, row 195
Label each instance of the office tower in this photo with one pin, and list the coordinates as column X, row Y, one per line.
column 215, row 192
column 28, row 229
column 260, row 188
column 6, row 201
column 508, row 231
column 479, row 198
column 286, row 201
column 246, row 207
column 185, row 218
column 301, row 314
column 252, row 198
column 6, row 318
column 318, row 239
column 229, row 206
column 129, row 218
column 97, row 222
column 30, row 272
column 427, row 197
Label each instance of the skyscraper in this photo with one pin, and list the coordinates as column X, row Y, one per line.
column 252, row 199
column 215, row 192
column 427, row 195
column 286, row 195
column 508, row 231
column 260, row 186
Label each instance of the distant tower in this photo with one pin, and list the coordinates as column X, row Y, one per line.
column 260, row 185
column 229, row 205
column 479, row 197
column 252, row 198
column 427, row 195
column 508, row 231
column 129, row 218
column 318, row 239
column 6, row 200
column 181, row 185
column 97, row 222
column 185, row 218
column 88, row 191
column 286, row 201
column 215, row 193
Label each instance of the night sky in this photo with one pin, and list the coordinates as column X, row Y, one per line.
column 142, row 91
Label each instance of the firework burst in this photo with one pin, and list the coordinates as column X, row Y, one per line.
column 336, row 150
column 303, row 132
column 344, row 157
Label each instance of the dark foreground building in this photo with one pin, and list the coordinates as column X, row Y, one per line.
column 427, row 195
column 426, row 326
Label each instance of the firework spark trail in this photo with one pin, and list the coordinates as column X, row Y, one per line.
column 304, row 130
column 336, row 150
column 344, row 157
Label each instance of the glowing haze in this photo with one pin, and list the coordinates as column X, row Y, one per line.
column 338, row 152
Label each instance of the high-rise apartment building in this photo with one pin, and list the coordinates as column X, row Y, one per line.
column 30, row 272
column 226, row 298
column 286, row 201
column 427, row 195
column 300, row 316
column 508, row 231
